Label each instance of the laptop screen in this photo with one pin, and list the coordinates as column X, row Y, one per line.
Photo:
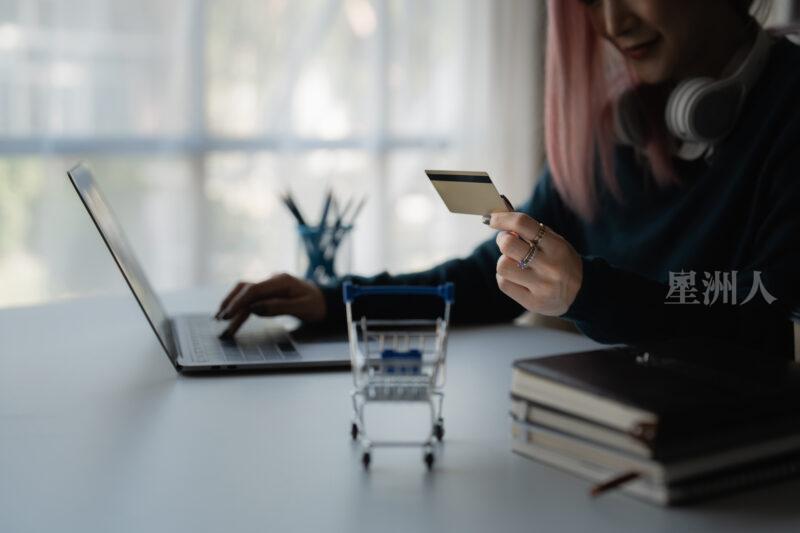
column 110, row 230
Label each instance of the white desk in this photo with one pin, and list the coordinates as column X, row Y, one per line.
column 98, row 433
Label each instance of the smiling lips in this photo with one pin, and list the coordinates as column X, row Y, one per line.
column 640, row 50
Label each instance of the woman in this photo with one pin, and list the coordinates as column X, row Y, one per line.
column 635, row 232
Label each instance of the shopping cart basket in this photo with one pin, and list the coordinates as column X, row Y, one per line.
column 398, row 361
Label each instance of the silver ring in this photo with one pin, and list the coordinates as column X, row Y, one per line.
column 534, row 247
column 528, row 257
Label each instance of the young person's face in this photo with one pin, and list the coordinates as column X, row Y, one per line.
column 669, row 40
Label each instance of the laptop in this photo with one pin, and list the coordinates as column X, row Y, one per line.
column 191, row 342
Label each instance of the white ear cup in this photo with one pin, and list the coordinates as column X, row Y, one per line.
column 699, row 111
column 704, row 111
column 690, row 151
column 681, row 104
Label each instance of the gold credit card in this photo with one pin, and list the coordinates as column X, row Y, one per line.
column 471, row 193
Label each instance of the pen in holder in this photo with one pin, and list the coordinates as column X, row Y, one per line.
column 323, row 251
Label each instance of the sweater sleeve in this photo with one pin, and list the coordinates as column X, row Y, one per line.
column 477, row 297
column 618, row 306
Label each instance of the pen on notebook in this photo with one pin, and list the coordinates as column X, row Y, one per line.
column 614, row 483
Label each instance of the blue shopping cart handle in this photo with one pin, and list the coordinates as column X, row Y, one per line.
column 445, row 291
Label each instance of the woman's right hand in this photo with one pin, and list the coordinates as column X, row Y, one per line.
column 281, row 294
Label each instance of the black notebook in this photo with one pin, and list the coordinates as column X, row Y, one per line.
column 658, row 392
column 752, row 474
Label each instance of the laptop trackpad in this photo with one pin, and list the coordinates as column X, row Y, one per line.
column 257, row 341
column 261, row 342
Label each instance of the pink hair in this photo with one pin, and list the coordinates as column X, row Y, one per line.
column 583, row 77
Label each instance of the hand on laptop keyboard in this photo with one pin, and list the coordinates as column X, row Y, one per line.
column 282, row 294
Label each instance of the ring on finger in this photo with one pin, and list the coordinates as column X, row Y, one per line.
column 539, row 234
column 523, row 264
column 534, row 247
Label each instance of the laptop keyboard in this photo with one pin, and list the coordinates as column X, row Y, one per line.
column 208, row 347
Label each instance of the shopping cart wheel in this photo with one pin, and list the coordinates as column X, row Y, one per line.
column 354, row 431
column 365, row 459
column 438, row 431
column 428, row 460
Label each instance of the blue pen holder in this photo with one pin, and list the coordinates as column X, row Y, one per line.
column 323, row 251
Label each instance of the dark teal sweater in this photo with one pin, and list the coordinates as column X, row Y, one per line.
column 739, row 211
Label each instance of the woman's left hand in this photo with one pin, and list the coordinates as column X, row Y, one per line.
column 550, row 282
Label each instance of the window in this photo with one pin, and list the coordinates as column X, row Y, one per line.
column 195, row 114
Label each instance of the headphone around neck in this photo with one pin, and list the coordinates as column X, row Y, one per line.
column 700, row 112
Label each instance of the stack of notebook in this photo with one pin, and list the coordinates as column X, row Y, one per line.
column 669, row 423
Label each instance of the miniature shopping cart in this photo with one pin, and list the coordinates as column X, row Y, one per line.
column 398, row 361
